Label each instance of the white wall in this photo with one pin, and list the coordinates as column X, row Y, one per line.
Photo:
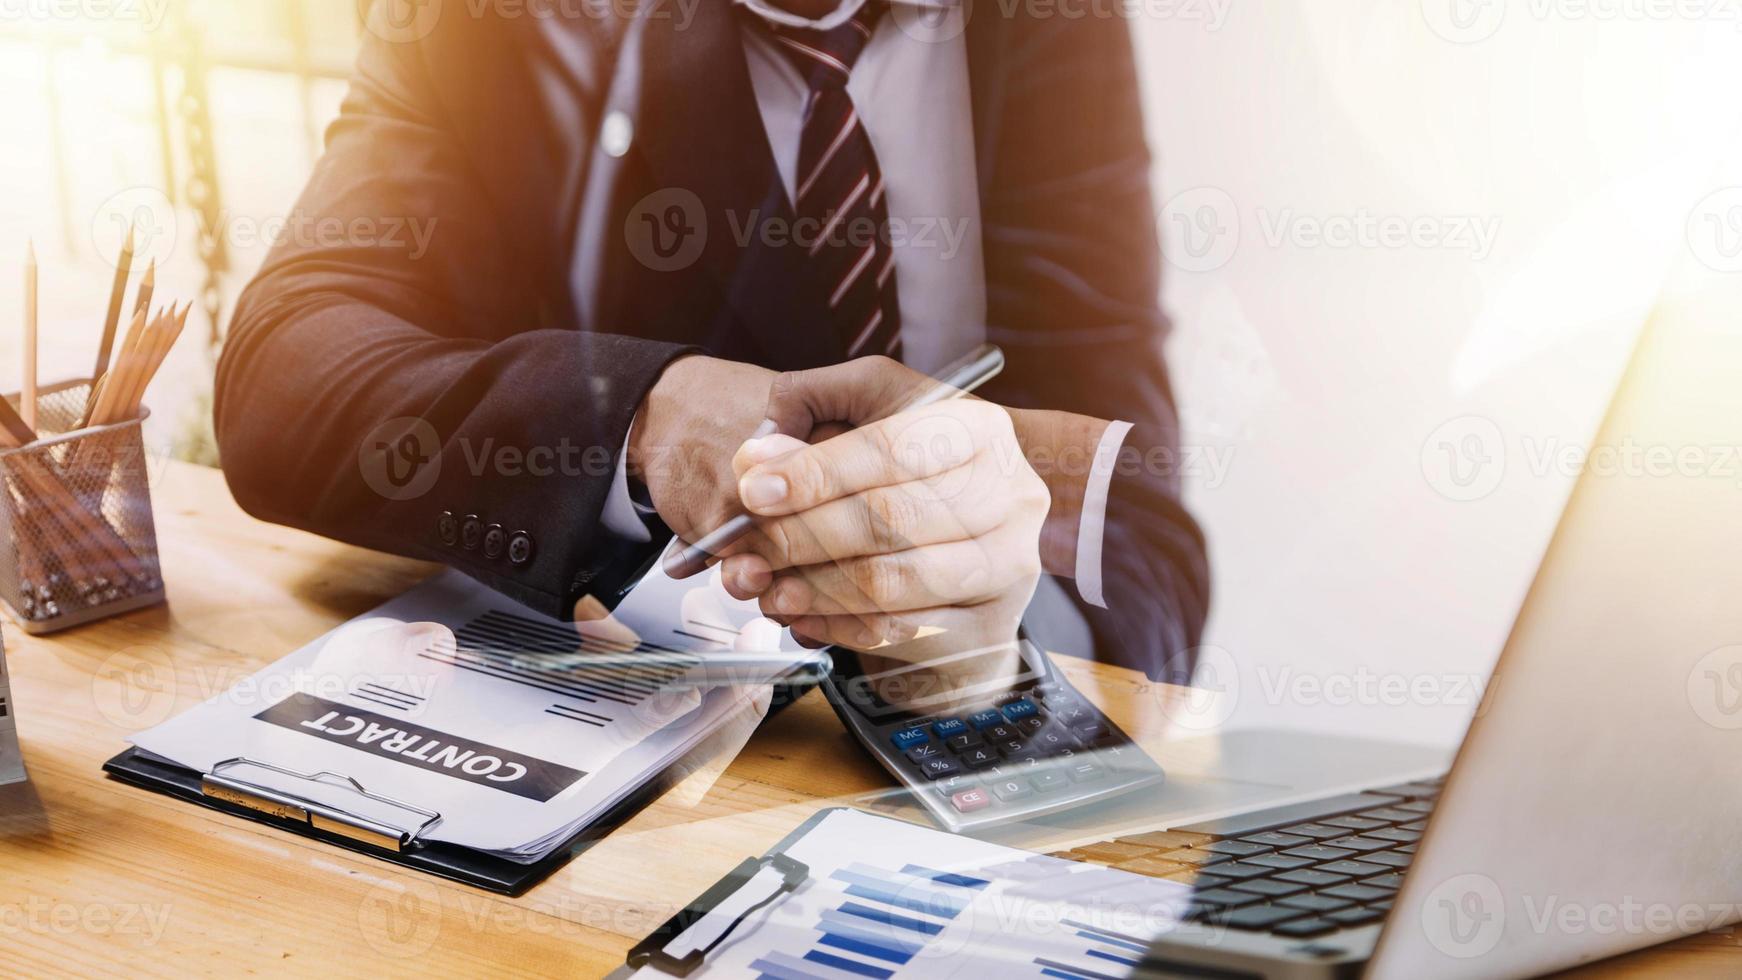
column 1335, row 383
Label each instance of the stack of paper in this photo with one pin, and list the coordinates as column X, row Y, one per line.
column 457, row 701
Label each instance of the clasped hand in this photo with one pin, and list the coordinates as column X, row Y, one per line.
column 914, row 534
column 908, row 525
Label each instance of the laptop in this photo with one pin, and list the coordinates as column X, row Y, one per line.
column 1591, row 809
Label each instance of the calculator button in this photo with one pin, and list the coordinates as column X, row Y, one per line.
column 1064, row 701
column 1049, row 780
column 1020, row 708
column 959, row 742
column 1122, row 758
column 978, row 757
column 1052, row 739
column 1031, row 724
column 969, row 800
column 1084, row 771
column 951, row 785
column 1073, row 715
column 1011, row 746
column 907, row 738
column 921, row 753
column 998, row 733
column 1088, row 731
column 949, row 727
column 1012, row 789
column 940, row 767
column 986, row 719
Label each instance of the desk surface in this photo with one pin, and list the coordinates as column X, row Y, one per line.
column 98, row 873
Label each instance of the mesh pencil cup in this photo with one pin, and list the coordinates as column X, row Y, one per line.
column 77, row 542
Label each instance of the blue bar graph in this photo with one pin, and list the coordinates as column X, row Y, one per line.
column 945, row 877
column 891, row 918
column 886, row 920
column 1106, row 950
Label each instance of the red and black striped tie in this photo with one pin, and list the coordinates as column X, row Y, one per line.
column 839, row 192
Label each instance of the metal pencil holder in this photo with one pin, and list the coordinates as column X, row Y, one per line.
column 77, row 542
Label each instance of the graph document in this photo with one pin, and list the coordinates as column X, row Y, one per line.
column 889, row 900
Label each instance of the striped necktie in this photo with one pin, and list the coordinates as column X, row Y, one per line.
column 842, row 213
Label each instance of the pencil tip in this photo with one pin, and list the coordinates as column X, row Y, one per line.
column 150, row 274
column 30, row 250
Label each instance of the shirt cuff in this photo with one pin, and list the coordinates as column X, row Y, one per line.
column 621, row 515
column 1092, row 528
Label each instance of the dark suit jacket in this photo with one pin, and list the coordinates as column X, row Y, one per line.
column 528, row 322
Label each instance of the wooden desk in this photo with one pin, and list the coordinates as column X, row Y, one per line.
column 97, row 874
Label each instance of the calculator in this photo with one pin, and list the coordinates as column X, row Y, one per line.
column 1031, row 747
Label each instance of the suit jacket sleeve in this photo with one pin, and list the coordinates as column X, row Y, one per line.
column 401, row 318
column 1073, row 277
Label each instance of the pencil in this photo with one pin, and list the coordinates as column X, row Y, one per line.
column 117, row 293
column 147, row 286
column 27, row 399
column 169, row 327
column 118, row 380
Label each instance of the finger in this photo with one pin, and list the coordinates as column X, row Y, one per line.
column 860, row 632
column 875, row 522
column 746, row 576
column 956, row 573
column 599, row 628
column 925, row 443
column 702, row 766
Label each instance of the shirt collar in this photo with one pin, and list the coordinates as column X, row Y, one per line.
column 835, row 18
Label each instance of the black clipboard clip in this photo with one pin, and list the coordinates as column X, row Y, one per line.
column 651, row 951
column 320, row 816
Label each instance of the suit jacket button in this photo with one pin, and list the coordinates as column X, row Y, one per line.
column 616, row 133
column 448, row 527
column 495, row 541
column 471, row 532
column 520, row 548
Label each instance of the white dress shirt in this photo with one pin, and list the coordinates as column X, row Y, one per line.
column 910, row 86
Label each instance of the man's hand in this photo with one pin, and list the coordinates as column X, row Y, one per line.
column 924, row 524
column 688, row 427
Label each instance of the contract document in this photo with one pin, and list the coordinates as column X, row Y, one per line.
column 454, row 701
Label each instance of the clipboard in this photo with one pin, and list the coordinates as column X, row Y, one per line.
column 652, row 950
column 307, row 819
column 398, row 842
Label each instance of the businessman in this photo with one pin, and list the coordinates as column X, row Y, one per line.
column 660, row 230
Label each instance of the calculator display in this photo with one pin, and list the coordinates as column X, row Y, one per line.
column 889, row 692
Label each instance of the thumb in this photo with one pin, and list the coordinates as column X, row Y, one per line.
column 755, row 452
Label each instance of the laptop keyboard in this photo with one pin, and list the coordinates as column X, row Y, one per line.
column 1295, row 871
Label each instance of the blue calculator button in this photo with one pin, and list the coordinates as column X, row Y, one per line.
column 907, row 738
column 948, row 727
column 984, row 719
column 1019, row 709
